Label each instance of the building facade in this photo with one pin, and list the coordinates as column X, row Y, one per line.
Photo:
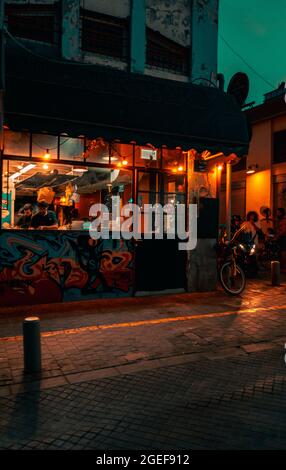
column 105, row 99
column 260, row 179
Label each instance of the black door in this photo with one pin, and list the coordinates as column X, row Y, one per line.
column 159, row 265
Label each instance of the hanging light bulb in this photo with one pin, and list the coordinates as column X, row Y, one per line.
column 180, row 168
column 124, row 162
column 47, row 155
column 45, row 166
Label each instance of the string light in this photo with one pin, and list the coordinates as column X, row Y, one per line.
column 47, row 155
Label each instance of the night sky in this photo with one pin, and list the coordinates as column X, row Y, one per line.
column 255, row 29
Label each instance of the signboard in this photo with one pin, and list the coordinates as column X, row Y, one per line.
column 200, row 166
column 149, row 154
column 6, row 208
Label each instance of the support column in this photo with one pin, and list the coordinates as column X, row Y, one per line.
column 204, row 42
column 228, row 200
column 71, row 47
column 138, row 36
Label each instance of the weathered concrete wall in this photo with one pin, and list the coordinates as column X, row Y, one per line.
column 172, row 18
column 202, row 267
column 70, row 29
column 204, row 38
column 138, row 36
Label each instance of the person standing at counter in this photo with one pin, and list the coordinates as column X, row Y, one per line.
column 25, row 219
column 44, row 218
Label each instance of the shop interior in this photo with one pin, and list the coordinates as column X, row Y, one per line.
column 72, row 174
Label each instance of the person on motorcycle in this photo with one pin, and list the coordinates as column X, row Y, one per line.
column 236, row 221
column 250, row 230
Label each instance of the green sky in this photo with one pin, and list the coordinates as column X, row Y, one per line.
column 255, row 29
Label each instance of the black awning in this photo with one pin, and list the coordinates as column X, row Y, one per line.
column 60, row 97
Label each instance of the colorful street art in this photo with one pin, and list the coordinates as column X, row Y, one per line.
column 59, row 266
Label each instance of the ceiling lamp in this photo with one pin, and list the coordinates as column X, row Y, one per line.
column 251, row 169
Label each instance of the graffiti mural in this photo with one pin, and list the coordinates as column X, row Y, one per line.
column 61, row 266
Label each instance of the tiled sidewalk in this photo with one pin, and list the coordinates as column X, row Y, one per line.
column 84, row 341
column 212, row 403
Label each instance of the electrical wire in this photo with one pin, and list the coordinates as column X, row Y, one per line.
column 246, row 63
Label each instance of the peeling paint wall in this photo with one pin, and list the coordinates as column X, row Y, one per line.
column 188, row 22
column 172, row 18
column 204, row 38
column 118, row 8
column 70, row 29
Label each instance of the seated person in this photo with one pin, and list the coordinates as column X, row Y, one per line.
column 25, row 219
column 44, row 218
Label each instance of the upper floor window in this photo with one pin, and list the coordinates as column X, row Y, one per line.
column 279, row 147
column 104, row 34
column 37, row 22
column 166, row 54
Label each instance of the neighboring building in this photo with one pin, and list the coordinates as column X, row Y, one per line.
column 106, row 98
column 260, row 179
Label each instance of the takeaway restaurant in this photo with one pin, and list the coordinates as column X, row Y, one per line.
column 74, row 139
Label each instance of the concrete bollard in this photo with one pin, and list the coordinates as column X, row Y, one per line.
column 275, row 273
column 32, row 344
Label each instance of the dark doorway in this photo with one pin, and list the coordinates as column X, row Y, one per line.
column 159, row 265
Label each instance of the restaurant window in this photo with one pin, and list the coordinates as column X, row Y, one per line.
column 68, row 191
column 121, row 154
column 174, row 159
column 279, row 147
column 166, row 54
column 97, row 151
column 147, row 156
column 37, row 22
column 71, row 149
column 16, row 143
column 105, row 35
column 45, row 146
column 160, row 188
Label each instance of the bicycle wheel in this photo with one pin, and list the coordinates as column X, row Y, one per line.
column 232, row 284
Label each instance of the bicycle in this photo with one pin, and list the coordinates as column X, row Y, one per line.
column 231, row 274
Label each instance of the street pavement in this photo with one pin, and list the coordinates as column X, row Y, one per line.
column 185, row 371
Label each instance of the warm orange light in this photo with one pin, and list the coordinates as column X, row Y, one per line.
column 180, row 168
column 250, row 172
column 220, row 167
column 119, row 164
column 45, row 166
column 47, row 155
column 175, row 170
column 124, row 162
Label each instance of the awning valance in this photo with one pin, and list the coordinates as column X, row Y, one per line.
column 60, row 97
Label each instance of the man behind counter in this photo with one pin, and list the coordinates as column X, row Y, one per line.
column 25, row 219
column 44, row 219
